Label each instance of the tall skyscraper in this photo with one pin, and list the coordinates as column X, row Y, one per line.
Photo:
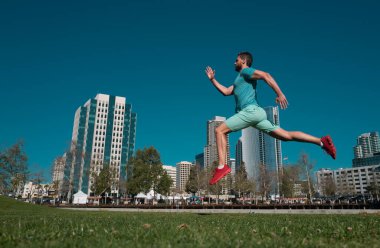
column 239, row 154
column 273, row 150
column 252, row 147
column 200, row 160
column 367, row 145
column 255, row 148
column 104, row 132
column 210, row 150
column 183, row 173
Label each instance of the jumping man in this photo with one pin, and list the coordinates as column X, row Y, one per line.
column 250, row 114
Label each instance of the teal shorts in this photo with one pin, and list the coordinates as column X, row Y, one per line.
column 251, row 116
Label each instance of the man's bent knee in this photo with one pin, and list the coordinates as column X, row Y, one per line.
column 222, row 129
column 217, row 130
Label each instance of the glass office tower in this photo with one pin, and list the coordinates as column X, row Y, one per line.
column 104, row 132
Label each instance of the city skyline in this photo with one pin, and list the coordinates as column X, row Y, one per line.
column 55, row 55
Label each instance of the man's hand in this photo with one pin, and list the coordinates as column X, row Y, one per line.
column 210, row 73
column 281, row 99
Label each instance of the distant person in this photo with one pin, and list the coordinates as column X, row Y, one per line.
column 250, row 114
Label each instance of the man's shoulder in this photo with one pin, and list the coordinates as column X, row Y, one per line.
column 248, row 69
column 247, row 73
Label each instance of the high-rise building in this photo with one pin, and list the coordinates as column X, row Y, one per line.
column 273, row 150
column 358, row 151
column 200, row 160
column 239, row 154
column 104, row 133
column 210, row 150
column 58, row 177
column 183, row 172
column 367, row 145
column 250, row 152
column 367, row 150
column 172, row 172
column 255, row 148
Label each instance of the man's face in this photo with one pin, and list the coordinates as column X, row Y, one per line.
column 238, row 64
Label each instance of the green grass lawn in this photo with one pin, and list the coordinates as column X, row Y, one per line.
column 27, row 225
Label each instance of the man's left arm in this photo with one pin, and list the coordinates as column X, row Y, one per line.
column 280, row 99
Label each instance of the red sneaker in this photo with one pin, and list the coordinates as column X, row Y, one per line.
column 219, row 174
column 328, row 146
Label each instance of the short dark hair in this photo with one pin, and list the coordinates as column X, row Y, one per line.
column 247, row 56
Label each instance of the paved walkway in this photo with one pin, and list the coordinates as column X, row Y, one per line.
column 236, row 211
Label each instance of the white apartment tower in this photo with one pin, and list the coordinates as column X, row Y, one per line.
column 183, row 173
column 172, row 172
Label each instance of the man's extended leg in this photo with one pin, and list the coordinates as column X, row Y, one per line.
column 221, row 141
column 284, row 135
column 325, row 142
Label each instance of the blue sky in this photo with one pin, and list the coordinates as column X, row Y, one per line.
column 54, row 56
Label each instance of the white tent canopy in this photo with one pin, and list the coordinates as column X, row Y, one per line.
column 173, row 198
column 80, row 198
column 150, row 195
column 140, row 195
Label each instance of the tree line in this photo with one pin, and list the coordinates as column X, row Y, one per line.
column 13, row 168
column 144, row 172
column 14, row 172
column 283, row 182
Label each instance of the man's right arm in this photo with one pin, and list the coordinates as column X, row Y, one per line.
column 281, row 99
column 222, row 89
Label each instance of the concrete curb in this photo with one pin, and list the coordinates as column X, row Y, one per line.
column 235, row 211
